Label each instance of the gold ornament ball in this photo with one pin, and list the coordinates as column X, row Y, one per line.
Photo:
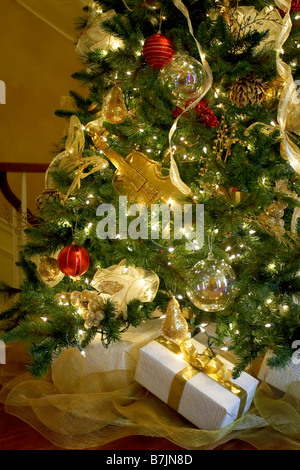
column 49, row 270
column 75, row 298
column 87, row 296
column 275, row 210
column 95, row 305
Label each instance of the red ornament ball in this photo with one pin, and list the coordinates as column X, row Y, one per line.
column 158, row 51
column 73, row 260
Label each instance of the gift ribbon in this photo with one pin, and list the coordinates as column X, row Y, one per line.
column 71, row 158
column 289, row 93
column 136, row 283
column 174, row 172
column 213, row 367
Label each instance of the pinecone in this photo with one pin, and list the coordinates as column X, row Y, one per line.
column 247, row 90
column 48, row 195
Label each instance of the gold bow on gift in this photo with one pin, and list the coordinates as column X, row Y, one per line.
column 177, row 339
column 71, row 158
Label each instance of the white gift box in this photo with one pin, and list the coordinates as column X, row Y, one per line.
column 119, row 355
column 282, row 377
column 204, row 402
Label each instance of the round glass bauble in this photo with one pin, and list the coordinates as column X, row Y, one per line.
column 212, row 285
column 185, row 77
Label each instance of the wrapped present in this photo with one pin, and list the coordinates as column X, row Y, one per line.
column 206, row 400
column 282, row 377
column 120, row 355
column 191, row 378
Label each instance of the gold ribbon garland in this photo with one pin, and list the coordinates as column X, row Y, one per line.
column 206, row 363
column 71, row 158
column 174, row 172
column 289, row 93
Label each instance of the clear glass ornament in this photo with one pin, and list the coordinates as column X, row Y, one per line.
column 185, row 77
column 212, row 286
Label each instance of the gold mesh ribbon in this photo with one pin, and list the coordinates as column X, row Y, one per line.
column 71, row 158
column 206, row 363
column 83, row 408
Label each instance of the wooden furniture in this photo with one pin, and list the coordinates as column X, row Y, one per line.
column 7, row 192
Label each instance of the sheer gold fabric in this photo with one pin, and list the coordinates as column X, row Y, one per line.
column 77, row 409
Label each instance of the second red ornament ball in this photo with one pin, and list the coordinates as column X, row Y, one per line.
column 158, row 51
column 73, row 260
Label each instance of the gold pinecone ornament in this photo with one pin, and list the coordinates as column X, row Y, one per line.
column 247, row 90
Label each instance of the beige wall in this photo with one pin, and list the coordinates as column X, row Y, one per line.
column 36, row 63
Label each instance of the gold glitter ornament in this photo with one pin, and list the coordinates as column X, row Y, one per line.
column 174, row 327
column 48, row 269
column 115, row 110
column 137, row 177
column 274, row 89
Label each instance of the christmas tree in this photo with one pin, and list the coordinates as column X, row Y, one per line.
column 188, row 108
